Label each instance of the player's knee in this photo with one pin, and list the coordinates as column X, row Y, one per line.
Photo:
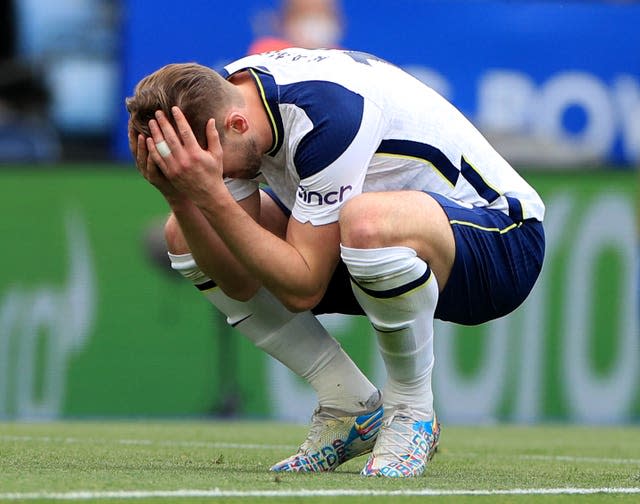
column 359, row 222
column 176, row 242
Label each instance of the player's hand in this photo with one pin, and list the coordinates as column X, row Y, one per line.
column 150, row 171
column 194, row 171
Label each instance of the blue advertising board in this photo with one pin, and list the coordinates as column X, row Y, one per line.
column 548, row 82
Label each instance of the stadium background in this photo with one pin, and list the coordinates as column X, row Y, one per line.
column 91, row 327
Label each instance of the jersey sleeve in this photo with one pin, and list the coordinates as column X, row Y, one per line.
column 331, row 169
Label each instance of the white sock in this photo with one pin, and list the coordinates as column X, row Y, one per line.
column 399, row 293
column 298, row 340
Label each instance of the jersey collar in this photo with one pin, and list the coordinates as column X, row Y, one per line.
column 269, row 94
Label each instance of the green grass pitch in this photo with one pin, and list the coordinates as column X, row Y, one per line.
column 212, row 461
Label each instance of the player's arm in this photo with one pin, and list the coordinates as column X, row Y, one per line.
column 209, row 251
column 296, row 270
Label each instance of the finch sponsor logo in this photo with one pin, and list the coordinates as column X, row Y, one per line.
column 318, row 198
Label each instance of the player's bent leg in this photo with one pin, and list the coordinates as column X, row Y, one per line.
column 412, row 219
column 399, row 293
column 347, row 421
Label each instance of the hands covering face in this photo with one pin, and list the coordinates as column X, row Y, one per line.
column 174, row 162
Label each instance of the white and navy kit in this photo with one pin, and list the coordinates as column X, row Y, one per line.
column 346, row 122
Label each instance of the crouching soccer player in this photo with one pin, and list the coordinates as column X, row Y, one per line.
column 382, row 200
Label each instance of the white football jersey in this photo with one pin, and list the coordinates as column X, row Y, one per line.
column 346, row 122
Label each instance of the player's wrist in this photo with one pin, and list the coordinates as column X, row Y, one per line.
column 215, row 199
column 178, row 201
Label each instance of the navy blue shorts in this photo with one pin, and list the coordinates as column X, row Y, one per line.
column 496, row 265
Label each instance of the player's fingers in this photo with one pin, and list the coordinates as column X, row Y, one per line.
column 166, row 149
column 154, row 161
column 213, row 139
column 184, row 129
column 141, row 154
column 166, row 132
column 145, row 164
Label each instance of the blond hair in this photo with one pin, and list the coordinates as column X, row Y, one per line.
column 200, row 93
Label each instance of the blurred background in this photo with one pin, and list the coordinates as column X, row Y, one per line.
column 94, row 324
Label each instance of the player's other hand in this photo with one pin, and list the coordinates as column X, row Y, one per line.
column 149, row 170
column 194, row 171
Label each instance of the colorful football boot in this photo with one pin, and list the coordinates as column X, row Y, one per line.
column 335, row 437
column 405, row 444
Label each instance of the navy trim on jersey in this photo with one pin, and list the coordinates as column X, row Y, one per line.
column 515, row 209
column 489, row 193
column 270, row 95
column 396, row 291
column 336, row 114
column 477, row 182
column 424, row 152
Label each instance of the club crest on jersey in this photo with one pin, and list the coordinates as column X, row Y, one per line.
column 318, row 198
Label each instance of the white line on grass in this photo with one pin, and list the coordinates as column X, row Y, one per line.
column 257, row 446
column 217, row 493
column 207, row 444
column 565, row 458
column 148, row 442
column 553, row 458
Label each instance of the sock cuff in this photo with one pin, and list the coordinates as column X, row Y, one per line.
column 186, row 265
column 383, row 264
column 181, row 262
